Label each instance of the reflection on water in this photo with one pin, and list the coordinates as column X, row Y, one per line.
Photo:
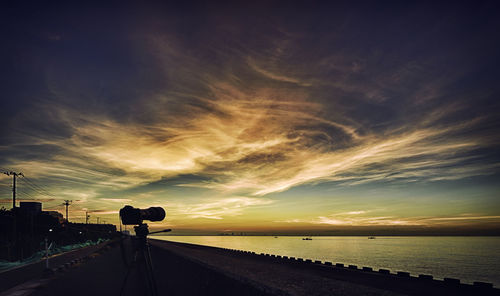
column 467, row 258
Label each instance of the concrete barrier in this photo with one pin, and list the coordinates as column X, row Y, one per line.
column 402, row 274
column 425, row 277
column 451, row 281
column 483, row 285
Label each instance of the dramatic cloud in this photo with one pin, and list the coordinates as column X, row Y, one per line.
column 216, row 114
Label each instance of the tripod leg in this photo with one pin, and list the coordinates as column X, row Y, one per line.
column 132, row 265
column 150, row 271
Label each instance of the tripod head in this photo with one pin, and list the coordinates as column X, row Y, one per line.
column 142, row 231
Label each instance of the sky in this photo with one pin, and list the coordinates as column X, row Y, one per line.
column 270, row 117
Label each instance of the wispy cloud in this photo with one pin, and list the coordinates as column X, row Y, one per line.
column 249, row 114
column 275, row 76
column 118, row 200
column 343, row 220
column 217, row 209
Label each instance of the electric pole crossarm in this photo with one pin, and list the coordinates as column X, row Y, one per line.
column 67, row 203
column 14, row 175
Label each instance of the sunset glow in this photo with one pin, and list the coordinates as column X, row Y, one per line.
column 239, row 121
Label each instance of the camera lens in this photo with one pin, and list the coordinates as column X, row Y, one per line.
column 135, row 216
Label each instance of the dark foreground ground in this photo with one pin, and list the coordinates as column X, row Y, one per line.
column 183, row 269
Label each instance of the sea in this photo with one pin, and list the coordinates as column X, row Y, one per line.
column 469, row 259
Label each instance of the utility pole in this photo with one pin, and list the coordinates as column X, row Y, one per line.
column 14, row 175
column 97, row 220
column 67, row 203
column 87, row 217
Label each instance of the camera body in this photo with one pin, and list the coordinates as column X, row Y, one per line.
column 135, row 216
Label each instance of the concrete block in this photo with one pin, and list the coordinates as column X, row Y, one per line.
column 317, row 262
column 425, row 277
column 328, row 263
column 339, row 264
column 367, row 268
column 352, row 266
column 403, row 274
column 483, row 285
column 384, row 271
column 308, row 261
column 451, row 281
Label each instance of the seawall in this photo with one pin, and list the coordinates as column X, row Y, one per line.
column 186, row 269
column 300, row 276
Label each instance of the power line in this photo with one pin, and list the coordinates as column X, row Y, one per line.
column 51, row 207
column 37, row 188
column 37, row 191
column 41, row 187
column 27, row 192
column 26, row 195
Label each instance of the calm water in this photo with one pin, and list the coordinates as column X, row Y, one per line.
column 466, row 258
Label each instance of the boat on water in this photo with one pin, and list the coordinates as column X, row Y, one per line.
column 371, row 237
column 306, row 238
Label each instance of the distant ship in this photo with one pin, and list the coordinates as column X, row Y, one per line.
column 307, row 238
column 371, row 237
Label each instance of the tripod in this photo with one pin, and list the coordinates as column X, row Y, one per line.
column 142, row 259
